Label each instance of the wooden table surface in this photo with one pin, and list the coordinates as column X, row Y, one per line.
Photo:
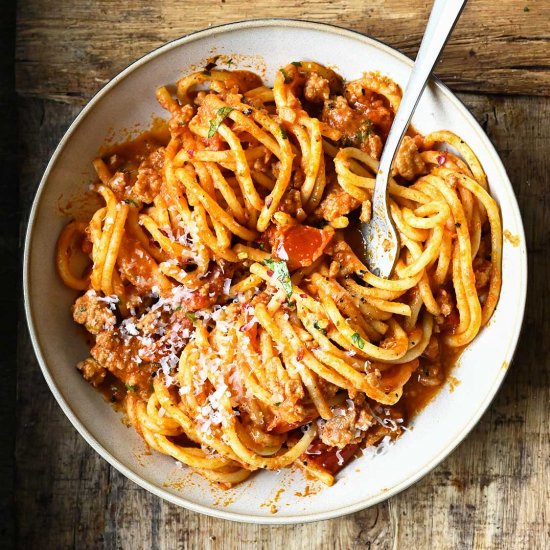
column 494, row 490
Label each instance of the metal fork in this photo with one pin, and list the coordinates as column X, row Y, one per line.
column 381, row 241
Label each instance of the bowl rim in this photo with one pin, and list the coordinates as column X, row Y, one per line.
column 181, row 501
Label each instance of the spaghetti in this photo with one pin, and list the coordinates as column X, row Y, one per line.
column 228, row 310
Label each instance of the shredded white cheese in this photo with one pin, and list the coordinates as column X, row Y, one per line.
column 226, row 286
column 111, row 300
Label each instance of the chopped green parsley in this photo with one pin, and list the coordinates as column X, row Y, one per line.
column 221, row 115
column 357, row 340
column 280, row 271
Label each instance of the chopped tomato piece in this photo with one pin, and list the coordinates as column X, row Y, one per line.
column 332, row 459
column 300, row 245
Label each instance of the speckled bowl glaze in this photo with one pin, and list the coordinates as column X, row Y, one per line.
column 128, row 101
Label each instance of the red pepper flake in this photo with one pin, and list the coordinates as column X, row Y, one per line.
column 304, row 296
column 270, row 273
column 191, row 153
column 441, row 159
column 300, row 354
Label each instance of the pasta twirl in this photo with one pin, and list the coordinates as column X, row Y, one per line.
column 228, row 310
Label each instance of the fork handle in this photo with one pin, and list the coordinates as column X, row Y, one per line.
column 444, row 15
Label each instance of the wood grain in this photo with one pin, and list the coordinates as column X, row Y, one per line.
column 9, row 274
column 68, row 52
column 492, row 492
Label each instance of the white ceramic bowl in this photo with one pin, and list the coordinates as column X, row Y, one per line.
column 128, row 101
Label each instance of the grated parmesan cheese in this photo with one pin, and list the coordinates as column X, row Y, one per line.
column 111, row 300
column 379, row 450
column 127, row 327
column 226, row 286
